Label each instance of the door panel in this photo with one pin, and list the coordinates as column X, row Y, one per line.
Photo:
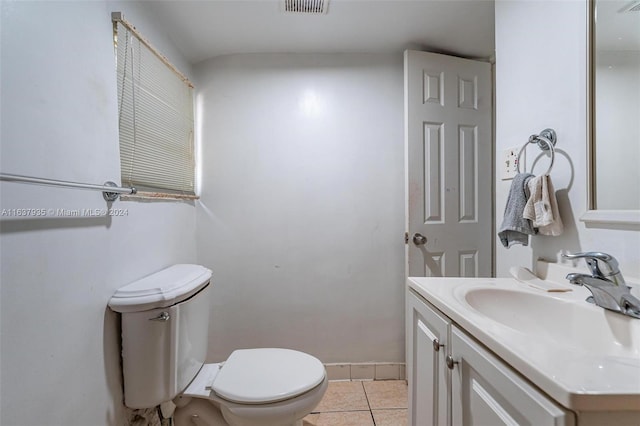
column 429, row 380
column 487, row 392
column 449, row 164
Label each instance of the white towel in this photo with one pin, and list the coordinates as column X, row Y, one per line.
column 542, row 206
column 534, row 204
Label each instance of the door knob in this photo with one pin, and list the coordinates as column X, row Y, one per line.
column 450, row 362
column 437, row 345
column 419, row 239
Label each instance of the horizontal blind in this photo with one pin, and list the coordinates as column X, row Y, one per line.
column 155, row 120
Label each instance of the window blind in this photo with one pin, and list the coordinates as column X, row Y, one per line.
column 155, row 106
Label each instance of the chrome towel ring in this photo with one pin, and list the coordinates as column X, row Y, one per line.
column 546, row 140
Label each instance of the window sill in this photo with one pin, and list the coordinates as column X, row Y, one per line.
column 158, row 196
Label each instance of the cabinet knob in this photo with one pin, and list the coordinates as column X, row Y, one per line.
column 450, row 362
column 437, row 345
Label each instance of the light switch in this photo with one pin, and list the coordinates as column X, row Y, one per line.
column 509, row 163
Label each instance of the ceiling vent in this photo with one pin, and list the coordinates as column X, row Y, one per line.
column 634, row 6
column 306, row 6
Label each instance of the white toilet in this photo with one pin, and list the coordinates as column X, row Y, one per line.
column 165, row 324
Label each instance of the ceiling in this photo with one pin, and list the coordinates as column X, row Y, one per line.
column 205, row 29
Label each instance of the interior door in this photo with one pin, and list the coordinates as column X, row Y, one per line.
column 448, row 149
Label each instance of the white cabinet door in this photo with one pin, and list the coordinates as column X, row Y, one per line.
column 486, row 392
column 427, row 375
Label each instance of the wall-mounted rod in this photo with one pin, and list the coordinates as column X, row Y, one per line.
column 110, row 190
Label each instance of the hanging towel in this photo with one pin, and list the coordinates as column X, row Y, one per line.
column 549, row 221
column 515, row 229
column 542, row 207
column 535, row 208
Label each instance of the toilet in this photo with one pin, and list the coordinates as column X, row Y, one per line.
column 165, row 325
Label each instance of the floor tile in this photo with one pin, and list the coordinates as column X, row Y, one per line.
column 344, row 396
column 386, row 394
column 344, row 418
column 395, row 417
column 311, row 419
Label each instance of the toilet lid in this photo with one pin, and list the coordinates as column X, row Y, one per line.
column 161, row 289
column 258, row 376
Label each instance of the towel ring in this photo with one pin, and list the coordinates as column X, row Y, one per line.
column 546, row 141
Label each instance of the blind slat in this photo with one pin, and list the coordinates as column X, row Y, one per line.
column 156, row 120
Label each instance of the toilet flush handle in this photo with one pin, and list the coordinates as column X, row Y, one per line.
column 164, row 316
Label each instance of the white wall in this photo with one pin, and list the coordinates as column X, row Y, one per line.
column 60, row 359
column 301, row 215
column 541, row 82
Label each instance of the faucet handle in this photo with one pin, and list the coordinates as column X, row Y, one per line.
column 605, row 257
column 593, row 258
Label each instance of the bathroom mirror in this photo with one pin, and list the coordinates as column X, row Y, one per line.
column 614, row 111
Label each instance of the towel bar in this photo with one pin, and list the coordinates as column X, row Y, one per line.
column 110, row 190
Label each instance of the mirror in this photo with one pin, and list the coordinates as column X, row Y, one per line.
column 615, row 109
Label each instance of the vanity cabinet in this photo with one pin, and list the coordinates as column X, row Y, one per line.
column 427, row 374
column 454, row 380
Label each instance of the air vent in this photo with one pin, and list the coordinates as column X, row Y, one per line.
column 634, row 6
column 306, row 6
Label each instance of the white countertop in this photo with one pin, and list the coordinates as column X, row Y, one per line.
column 579, row 379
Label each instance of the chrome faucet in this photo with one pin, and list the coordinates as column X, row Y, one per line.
column 606, row 283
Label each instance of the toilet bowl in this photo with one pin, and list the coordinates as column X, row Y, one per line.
column 254, row 387
column 256, row 400
column 165, row 321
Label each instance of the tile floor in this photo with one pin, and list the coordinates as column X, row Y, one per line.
column 362, row 403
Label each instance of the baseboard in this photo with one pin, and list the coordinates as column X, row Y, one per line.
column 366, row 371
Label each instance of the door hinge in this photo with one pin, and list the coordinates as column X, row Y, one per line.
column 406, row 238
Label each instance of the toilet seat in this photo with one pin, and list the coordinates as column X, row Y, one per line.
column 267, row 375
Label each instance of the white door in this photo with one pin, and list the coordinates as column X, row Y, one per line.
column 449, row 159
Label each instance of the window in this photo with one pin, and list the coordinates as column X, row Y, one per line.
column 155, row 115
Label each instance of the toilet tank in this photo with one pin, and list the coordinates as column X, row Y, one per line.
column 165, row 324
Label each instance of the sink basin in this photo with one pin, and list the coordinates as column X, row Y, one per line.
column 567, row 322
column 584, row 357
